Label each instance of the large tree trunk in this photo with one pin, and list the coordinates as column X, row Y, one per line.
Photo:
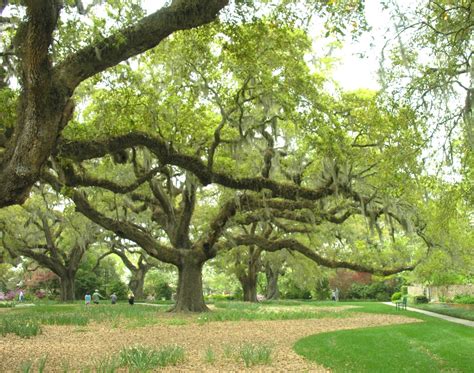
column 189, row 295
column 273, row 292
column 249, row 280
column 67, row 287
column 136, row 283
column 249, row 287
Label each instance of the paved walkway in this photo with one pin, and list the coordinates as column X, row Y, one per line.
column 438, row 315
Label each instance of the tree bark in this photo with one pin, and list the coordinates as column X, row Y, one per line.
column 249, row 287
column 189, row 294
column 136, row 283
column 45, row 105
column 67, row 287
column 273, row 291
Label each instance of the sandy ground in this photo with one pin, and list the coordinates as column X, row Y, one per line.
column 78, row 347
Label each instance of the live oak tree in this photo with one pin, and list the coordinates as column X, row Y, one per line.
column 264, row 130
column 273, row 270
column 50, row 64
column 51, row 47
column 50, row 234
column 138, row 267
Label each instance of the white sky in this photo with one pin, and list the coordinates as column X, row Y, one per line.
column 354, row 71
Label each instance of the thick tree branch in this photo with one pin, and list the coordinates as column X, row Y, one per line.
column 126, row 230
column 82, row 150
column 41, row 104
column 186, row 213
column 74, row 179
column 294, row 245
column 136, row 39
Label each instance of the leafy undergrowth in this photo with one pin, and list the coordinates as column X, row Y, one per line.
column 466, row 313
column 431, row 346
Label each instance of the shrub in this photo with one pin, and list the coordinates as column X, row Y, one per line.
column 321, row 290
column 163, row 291
column 7, row 304
column 377, row 290
column 11, row 295
column 296, row 293
column 396, row 296
column 220, row 297
column 40, row 294
column 464, row 299
column 419, row 299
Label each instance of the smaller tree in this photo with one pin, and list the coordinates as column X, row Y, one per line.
column 138, row 271
column 55, row 239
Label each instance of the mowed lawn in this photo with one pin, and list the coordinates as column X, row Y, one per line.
column 431, row 346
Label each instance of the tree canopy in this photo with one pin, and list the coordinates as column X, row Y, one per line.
column 192, row 143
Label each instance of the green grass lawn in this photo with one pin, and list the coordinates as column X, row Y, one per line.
column 432, row 346
column 447, row 309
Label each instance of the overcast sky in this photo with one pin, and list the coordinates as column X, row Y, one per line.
column 353, row 71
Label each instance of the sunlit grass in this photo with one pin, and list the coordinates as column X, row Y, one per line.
column 431, row 346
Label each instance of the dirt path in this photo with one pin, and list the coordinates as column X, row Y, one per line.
column 80, row 347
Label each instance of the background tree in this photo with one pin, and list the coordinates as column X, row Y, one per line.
column 107, row 278
column 252, row 117
column 54, row 239
column 138, row 268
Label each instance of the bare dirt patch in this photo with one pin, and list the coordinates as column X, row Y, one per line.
column 79, row 347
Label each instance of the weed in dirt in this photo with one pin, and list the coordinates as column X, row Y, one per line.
column 107, row 365
column 209, row 355
column 170, row 355
column 143, row 358
column 65, row 366
column 42, row 363
column 26, row 366
column 24, row 328
column 228, row 351
column 252, row 354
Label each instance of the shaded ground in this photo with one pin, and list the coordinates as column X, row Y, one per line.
column 75, row 348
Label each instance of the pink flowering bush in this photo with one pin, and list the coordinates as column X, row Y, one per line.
column 10, row 295
column 40, row 294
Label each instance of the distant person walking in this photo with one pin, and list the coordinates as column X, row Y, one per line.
column 21, row 296
column 113, row 298
column 96, row 296
column 131, row 299
column 336, row 294
column 88, row 298
column 333, row 295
